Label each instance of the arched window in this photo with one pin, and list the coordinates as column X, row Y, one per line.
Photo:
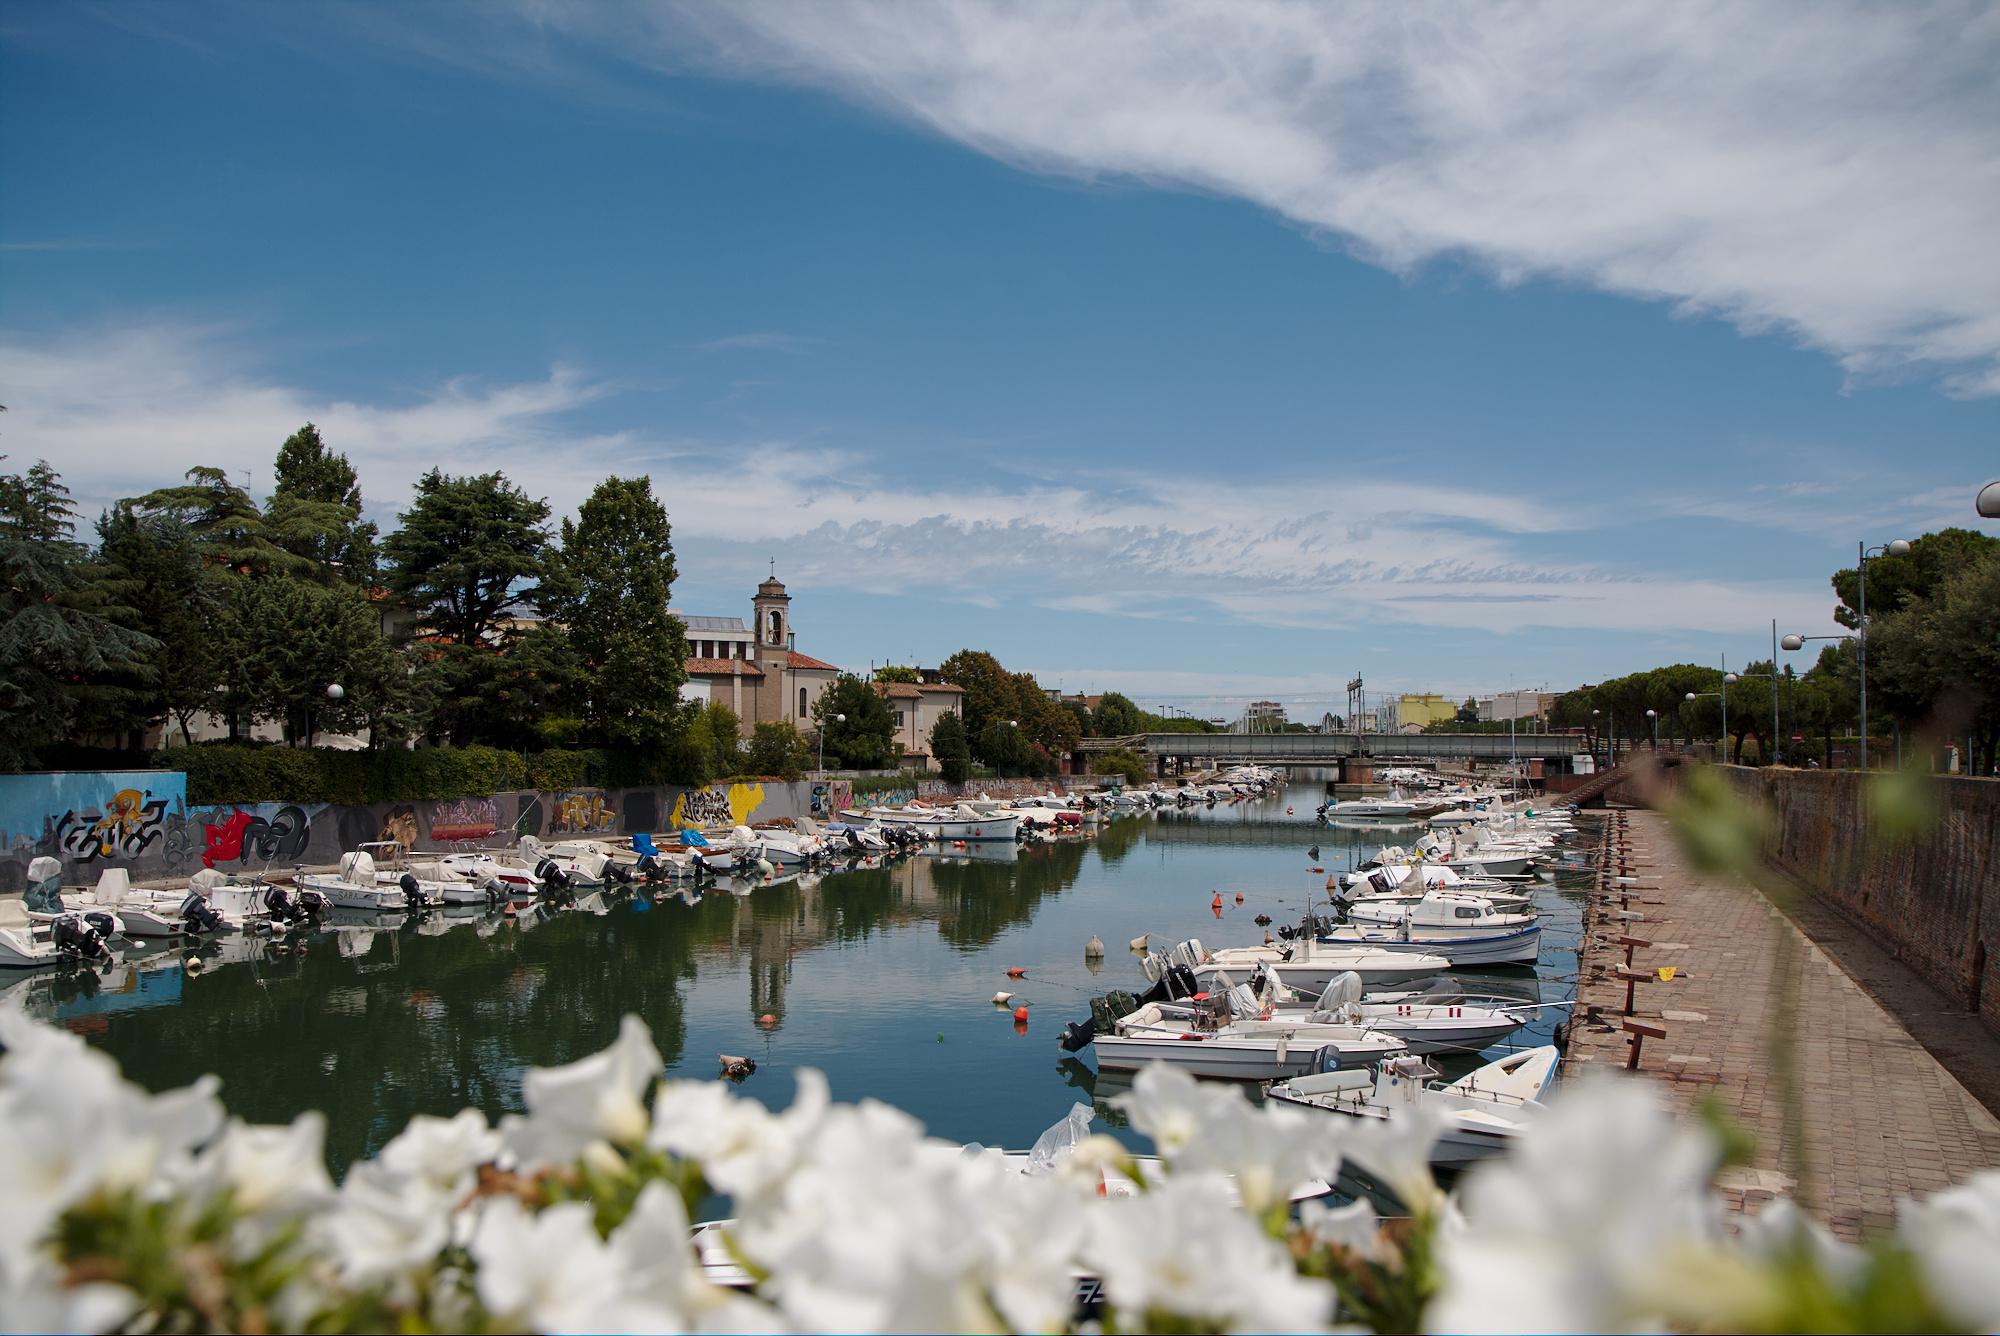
column 802, row 702
column 776, row 621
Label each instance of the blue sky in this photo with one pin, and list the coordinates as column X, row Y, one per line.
column 1208, row 358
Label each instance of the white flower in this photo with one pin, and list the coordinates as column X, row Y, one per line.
column 552, row 1273
column 1597, row 1213
column 1354, row 1226
column 1186, row 1249
column 384, row 1226
column 742, row 1146
column 1396, row 1152
column 268, row 1170
column 598, row 1098
column 1955, row 1235
column 654, row 1249
column 444, row 1152
column 37, row 1300
column 1269, row 1150
column 75, row 1127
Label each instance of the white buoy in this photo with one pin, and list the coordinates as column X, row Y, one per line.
column 1139, row 942
column 1003, row 999
column 1094, row 948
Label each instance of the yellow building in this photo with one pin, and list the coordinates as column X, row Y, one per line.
column 1423, row 710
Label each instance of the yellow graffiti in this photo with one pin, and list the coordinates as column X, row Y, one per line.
column 712, row 807
column 583, row 812
column 123, row 816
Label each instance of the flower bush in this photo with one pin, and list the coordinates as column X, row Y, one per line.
column 131, row 1211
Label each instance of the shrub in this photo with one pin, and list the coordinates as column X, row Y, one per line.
column 1122, row 761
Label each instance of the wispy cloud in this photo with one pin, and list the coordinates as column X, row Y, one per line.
column 1828, row 174
column 124, row 410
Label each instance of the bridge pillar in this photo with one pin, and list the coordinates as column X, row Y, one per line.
column 1357, row 770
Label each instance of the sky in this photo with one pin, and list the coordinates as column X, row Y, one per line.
column 1204, row 352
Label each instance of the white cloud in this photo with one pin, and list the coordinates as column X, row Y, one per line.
column 1831, row 171
column 125, row 410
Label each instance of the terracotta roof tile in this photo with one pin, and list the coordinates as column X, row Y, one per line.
column 723, row 668
column 799, row 660
column 898, row 690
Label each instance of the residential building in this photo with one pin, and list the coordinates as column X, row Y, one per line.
column 1423, row 709
column 756, row 670
column 1504, row 705
column 1263, row 716
column 917, row 707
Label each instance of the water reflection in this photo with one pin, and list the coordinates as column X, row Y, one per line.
column 881, row 974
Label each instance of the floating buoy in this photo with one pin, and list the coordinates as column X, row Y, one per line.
column 1239, row 897
column 1017, row 973
column 1139, row 942
column 767, row 1020
column 1313, row 852
column 1288, row 809
column 1216, row 903
column 1020, row 1014
column 1317, row 868
column 1094, row 948
column 1262, row 920
column 1003, row 999
column 193, row 965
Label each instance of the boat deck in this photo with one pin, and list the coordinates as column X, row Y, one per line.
column 1882, row 1118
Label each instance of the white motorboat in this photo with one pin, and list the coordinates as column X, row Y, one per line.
column 355, row 886
column 1226, row 1034
column 43, row 895
column 1444, row 913
column 937, row 825
column 1411, row 881
column 1426, row 1022
column 1483, row 1112
column 1518, row 946
column 585, row 867
column 22, row 947
column 1309, row 965
column 1374, row 809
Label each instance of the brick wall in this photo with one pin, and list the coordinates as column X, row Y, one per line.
column 1934, row 900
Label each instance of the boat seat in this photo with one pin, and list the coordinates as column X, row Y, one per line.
column 1328, row 1083
column 14, row 914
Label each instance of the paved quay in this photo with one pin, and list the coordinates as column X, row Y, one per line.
column 1882, row 1118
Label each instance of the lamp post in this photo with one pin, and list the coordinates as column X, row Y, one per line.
column 1988, row 501
column 1692, row 696
column 1014, row 724
column 838, row 719
column 1653, row 718
column 1597, row 730
column 1895, row 548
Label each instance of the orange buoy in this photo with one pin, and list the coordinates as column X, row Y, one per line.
column 1017, row 973
column 1239, row 897
column 767, row 1020
column 1319, row 869
column 1021, row 1013
column 1216, row 903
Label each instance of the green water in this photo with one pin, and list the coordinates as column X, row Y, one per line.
column 881, row 977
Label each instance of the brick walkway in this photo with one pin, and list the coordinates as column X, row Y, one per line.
column 1882, row 1119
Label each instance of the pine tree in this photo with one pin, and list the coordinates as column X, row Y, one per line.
column 315, row 510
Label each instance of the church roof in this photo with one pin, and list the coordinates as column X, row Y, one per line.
column 798, row 660
column 723, row 668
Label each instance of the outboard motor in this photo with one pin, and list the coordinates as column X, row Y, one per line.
column 649, row 870
column 555, row 888
column 198, row 916
column 413, row 891
column 281, row 906
column 1075, row 1035
column 496, row 892
column 313, row 904
column 105, row 925
column 618, row 872
column 43, row 893
column 75, row 937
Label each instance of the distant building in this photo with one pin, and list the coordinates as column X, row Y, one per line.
column 1264, row 716
column 1416, row 712
column 756, row 670
column 1504, row 705
column 918, row 706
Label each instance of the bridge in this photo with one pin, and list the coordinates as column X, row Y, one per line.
column 1331, row 749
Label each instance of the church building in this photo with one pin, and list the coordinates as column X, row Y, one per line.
column 756, row 670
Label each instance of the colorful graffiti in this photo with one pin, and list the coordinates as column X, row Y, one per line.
column 132, row 820
column 716, row 807
column 88, row 816
column 464, row 819
column 582, row 812
column 832, row 797
column 280, row 837
column 399, row 823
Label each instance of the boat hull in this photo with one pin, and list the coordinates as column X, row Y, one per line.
column 1222, row 1059
column 1523, row 947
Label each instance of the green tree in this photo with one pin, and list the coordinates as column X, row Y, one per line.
column 234, row 535
column 895, row 672
column 1467, row 713
column 1002, row 747
column 1919, row 573
column 291, row 640
column 1122, row 761
column 315, row 510
column 469, row 552
column 51, row 637
column 949, row 746
column 1080, row 712
column 718, row 732
column 989, row 692
column 777, row 748
column 1116, row 716
column 618, row 573
column 865, row 738
column 150, row 566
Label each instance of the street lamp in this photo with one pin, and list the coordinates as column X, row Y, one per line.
column 1653, row 717
column 1988, row 502
column 1014, row 724
column 1598, row 729
column 1894, row 548
column 838, row 719
column 1692, row 696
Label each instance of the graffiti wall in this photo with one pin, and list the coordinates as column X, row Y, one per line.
column 100, row 816
column 141, row 821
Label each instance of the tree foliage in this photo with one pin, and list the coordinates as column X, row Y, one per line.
column 950, row 748
column 1893, row 582
column 52, row 638
column 469, row 552
column 777, row 748
column 895, row 672
column 315, row 510
column 614, row 579
column 863, row 740
column 717, row 731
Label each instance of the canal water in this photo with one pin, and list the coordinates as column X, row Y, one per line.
column 881, row 977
